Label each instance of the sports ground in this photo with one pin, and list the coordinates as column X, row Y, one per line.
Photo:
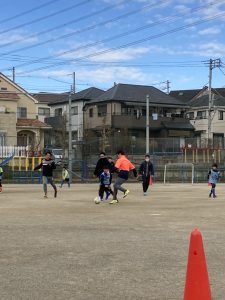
column 71, row 248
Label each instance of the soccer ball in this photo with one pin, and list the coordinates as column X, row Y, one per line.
column 97, row 200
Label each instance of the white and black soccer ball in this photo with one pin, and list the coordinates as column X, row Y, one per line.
column 97, row 200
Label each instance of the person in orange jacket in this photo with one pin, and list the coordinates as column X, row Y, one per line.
column 123, row 166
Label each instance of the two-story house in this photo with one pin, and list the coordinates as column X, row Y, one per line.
column 209, row 122
column 19, row 124
column 123, row 107
column 60, row 116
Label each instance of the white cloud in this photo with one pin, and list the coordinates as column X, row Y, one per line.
column 103, row 75
column 209, row 30
column 117, row 55
column 17, row 38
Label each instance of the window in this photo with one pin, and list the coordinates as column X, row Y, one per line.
column 201, row 114
column 3, row 89
column 127, row 111
column 91, row 113
column 44, row 111
column 74, row 110
column 2, row 140
column 102, row 110
column 74, row 135
column 21, row 112
column 190, row 115
column 220, row 115
column 58, row 112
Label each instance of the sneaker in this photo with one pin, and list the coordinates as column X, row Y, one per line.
column 107, row 195
column 114, row 201
column 55, row 194
column 214, row 196
column 45, row 196
column 145, row 194
column 126, row 193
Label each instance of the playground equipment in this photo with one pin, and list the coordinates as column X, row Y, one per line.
column 6, row 161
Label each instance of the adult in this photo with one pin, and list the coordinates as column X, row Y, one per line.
column 101, row 163
column 123, row 166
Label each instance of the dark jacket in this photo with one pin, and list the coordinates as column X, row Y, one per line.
column 102, row 162
column 47, row 167
column 146, row 169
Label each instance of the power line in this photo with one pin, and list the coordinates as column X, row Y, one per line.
column 83, row 29
column 28, row 11
column 92, row 44
column 45, row 17
column 76, row 21
column 148, row 38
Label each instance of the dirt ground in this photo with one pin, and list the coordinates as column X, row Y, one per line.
column 71, row 248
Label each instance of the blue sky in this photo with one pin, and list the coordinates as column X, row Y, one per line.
column 105, row 41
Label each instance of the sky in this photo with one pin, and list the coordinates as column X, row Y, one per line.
column 147, row 42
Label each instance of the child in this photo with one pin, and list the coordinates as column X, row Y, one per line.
column 65, row 177
column 105, row 183
column 1, row 173
column 146, row 170
column 47, row 165
column 213, row 178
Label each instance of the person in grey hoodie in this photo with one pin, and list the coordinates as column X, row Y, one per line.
column 145, row 171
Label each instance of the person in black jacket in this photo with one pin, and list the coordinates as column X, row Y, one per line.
column 47, row 165
column 146, row 170
column 102, row 162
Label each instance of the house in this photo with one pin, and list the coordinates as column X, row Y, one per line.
column 121, row 112
column 19, row 124
column 44, row 99
column 209, row 124
column 60, row 113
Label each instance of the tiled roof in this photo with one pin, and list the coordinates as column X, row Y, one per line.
column 86, row 95
column 35, row 123
column 47, row 98
column 185, row 95
column 137, row 93
column 204, row 101
column 9, row 96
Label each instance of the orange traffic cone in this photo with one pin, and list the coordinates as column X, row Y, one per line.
column 197, row 281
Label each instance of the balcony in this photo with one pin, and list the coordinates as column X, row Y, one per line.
column 132, row 122
column 57, row 122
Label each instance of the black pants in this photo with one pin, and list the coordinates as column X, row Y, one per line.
column 102, row 189
column 145, row 183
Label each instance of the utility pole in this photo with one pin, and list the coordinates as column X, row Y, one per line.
column 70, row 152
column 168, row 86
column 14, row 74
column 213, row 63
column 74, row 83
column 147, row 124
column 70, row 146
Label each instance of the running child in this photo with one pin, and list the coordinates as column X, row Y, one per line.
column 145, row 171
column 213, row 178
column 105, row 183
column 47, row 165
column 1, row 173
column 65, row 177
column 123, row 166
